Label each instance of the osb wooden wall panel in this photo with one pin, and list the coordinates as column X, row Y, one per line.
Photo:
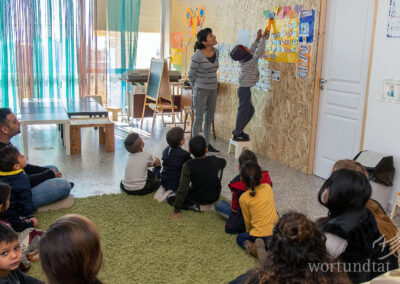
column 281, row 126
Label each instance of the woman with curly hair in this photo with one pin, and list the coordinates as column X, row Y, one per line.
column 296, row 254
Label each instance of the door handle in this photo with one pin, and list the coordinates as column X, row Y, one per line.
column 321, row 83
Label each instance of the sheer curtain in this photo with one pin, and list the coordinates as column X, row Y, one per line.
column 56, row 49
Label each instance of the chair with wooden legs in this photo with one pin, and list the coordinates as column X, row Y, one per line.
column 188, row 111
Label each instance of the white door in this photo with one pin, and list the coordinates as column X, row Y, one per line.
column 345, row 67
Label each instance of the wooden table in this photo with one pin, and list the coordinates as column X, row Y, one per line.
column 85, row 107
column 43, row 111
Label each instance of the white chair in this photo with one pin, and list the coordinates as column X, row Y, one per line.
column 239, row 146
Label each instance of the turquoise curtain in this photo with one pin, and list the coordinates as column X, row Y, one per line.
column 123, row 30
column 51, row 48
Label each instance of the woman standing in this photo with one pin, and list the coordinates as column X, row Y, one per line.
column 203, row 79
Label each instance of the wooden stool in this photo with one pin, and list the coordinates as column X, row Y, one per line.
column 115, row 111
column 106, row 133
column 396, row 203
column 188, row 111
column 239, row 146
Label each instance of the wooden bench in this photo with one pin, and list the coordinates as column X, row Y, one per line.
column 106, row 133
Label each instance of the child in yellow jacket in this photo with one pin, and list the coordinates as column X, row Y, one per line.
column 258, row 208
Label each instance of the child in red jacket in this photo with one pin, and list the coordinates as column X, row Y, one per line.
column 231, row 212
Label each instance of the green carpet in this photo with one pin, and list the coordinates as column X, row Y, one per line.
column 142, row 244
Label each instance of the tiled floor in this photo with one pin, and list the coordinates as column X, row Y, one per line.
column 96, row 172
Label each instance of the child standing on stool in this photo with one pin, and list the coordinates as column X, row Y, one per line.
column 138, row 179
column 173, row 158
column 248, row 77
column 258, row 208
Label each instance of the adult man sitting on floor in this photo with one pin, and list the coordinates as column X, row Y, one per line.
column 43, row 193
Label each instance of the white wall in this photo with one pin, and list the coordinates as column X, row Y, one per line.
column 382, row 131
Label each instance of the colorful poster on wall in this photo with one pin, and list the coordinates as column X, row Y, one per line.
column 176, row 56
column 243, row 37
column 283, row 41
column 304, row 60
column 393, row 29
column 176, row 40
column 306, row 26
column 194, row 22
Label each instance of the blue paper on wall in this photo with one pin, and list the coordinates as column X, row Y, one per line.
column 306, row 26
column 243, row 37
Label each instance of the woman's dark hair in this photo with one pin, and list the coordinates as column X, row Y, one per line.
column 247, row 155
column 251, row 175
column 70, row 251
column 348, row 191
column 296, row 244
column 5, row 191
column 202, row 36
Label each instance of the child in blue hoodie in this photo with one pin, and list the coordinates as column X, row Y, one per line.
column 173, row 158
column 20, row 214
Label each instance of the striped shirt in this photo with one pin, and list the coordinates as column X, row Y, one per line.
column 249, row 74
column 202, row 72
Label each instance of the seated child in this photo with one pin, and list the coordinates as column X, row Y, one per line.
column 258, row 208
column 5, row 192
column 248, row 77
column 385, row 225
column 138, row 179
column 296, row 246
column 20, row 214
column 173, row 158
column 200, row 183
column 70, row 251
column 28, row 239
column 10, row 258
column 232, row 212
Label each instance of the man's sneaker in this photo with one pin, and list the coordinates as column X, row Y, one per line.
column 212, row 150
column 241, row 138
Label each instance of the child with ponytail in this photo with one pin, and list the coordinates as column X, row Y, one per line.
column 258, row 208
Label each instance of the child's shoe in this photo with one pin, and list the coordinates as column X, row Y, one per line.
column 241, row 138
column 207, row 207
column 261, row 252
column 251, row 248
column 159, row 193
column 163, row 197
